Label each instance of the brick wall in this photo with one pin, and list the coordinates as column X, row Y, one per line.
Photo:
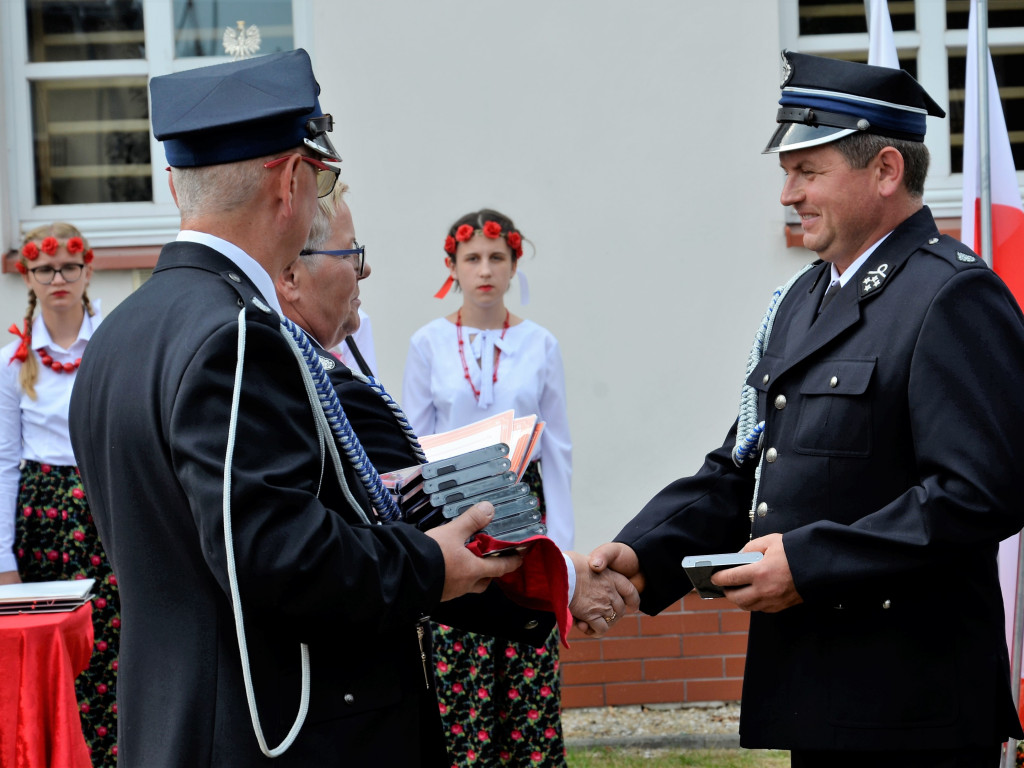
column 692, row 651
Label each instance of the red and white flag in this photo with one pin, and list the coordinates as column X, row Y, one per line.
column 1007, row 213
column 1007, row 234
column 881, row 44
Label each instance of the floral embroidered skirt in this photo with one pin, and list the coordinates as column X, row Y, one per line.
column 500, row 701
column 55, row 539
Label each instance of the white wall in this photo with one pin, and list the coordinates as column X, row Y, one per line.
column 624, row 138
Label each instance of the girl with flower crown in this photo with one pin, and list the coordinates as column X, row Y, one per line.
column 46, row 531
column 499, row 700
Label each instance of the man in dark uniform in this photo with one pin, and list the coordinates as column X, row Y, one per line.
column 889, row 467
column 265, row 611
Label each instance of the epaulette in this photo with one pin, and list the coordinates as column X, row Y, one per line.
column 952, row 250
column 249, row 298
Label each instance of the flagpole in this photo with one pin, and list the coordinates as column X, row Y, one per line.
column 985, row 170
column 1010, row 757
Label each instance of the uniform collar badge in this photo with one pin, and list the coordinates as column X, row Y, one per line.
column 327, row 362
column 873, row 279
column 965, row 257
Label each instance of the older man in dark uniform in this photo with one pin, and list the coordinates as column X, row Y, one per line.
column 266, row 613
column 876, row 462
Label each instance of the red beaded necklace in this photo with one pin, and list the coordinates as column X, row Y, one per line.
column 462, row 352
column 57, row 367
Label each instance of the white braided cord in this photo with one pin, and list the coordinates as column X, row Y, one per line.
column 749, row 431
column 236, row 600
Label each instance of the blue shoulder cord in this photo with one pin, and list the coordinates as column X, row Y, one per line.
column 748, row 429
column 397, row 412
column 318, row 389
column 382, row 501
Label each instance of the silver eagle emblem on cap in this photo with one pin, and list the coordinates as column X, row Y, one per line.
column 787, row 70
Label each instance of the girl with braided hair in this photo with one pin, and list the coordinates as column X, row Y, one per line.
column 499, row 700
column 46, row 531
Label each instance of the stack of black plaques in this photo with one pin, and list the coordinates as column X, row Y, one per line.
column 446, row 488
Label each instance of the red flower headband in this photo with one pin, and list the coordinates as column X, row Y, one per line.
column 492, row 230
column 465, row 233
column 49, row 246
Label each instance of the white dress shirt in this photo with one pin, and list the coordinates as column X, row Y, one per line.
column 36, row 430
column 436, row 396
column 246, row 263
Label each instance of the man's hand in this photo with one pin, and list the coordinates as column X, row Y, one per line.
column 10, row 577
column 603, row 595
column 618, row 557
column 464, row 572
column 763, row 586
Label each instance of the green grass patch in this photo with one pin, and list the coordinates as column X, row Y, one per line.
column 634, row 757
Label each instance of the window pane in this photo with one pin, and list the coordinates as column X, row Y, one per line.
column 211, row 27
column 833, row 17
column 84, row 30
column 91, row 141
column 1001, row 13
column 1009, row 68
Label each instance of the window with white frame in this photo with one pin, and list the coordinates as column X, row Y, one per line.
column 76, row 76
column 931, row 41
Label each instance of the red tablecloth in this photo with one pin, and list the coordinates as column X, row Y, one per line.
column 40, row 656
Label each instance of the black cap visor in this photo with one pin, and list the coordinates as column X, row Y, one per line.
column 318, row 140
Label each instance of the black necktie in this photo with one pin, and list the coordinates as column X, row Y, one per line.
column 830, row 293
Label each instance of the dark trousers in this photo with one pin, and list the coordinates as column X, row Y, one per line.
column 972, row 757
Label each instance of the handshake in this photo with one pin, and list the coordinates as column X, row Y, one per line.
column 607, row 583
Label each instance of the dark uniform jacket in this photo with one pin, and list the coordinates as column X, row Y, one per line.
column 892, row 467
column 149, row 421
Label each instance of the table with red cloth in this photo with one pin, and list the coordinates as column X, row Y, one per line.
column 40, row 656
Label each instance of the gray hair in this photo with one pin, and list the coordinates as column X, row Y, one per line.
column 213, row 189
column 320, row 231
column 859, row 149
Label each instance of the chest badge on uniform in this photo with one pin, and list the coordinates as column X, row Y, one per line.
column 965, row 257
column 327, row 363
column 873, row 279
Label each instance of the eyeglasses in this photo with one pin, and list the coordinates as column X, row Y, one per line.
column 45, row 275
column 326, row 175
column 359, row 250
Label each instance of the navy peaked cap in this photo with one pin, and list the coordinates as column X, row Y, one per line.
column 239, row 110
column 825, row 99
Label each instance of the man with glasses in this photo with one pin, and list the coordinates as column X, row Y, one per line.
column 268, row 618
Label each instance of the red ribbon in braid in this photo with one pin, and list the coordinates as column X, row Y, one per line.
column 21, row 353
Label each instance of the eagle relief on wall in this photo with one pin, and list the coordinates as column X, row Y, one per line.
column 243, row 42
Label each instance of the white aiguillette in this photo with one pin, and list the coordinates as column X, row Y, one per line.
column 45, row 596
